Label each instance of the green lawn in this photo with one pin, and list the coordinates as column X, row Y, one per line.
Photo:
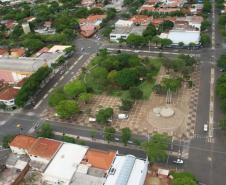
column 146, row 87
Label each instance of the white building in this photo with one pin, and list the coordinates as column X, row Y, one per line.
column 184, row 36
column 127, row 170
column 64, row 165
column 26, row 27
column 123, row 28
column 123, row 23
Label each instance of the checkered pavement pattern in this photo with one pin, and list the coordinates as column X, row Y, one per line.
column 191, row 119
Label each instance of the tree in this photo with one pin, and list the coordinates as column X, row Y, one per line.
column 171, row 83
column 207, row 6
column 221, row 62
column 184, row 178
column 156, row 148
column 45, row 131
column 126, row 135
column 205, row 40
column 96, row 79
column 165, row 42
column 31, row 85
column 223, row 124
column 184, row 181
column 135, row 40
column 109, row 133
column 221, row 86
column 165, row 26
column 93, row 133
column 68, row 139
column 73, row 89
column 56, row 96
column 156, row 40
column 135, row 93
column 205, row 25
column 85, row 97
column 127, row 77
column 67, row 108
column 181, row 44
column 127, row 104
column 150, row 31
column 104, row 115
column 6, row 140
column 32, row 44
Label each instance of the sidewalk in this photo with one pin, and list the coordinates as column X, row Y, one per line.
column 129, row 146
column 89, row 139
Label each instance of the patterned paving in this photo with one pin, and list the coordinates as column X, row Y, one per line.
column 191, row 119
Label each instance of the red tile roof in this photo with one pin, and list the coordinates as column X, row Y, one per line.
column 87, row 30
column 22, row 142
column 18, row 52
column 3, row 51
column 6, row 76
column 100, row 159
column 44, row 148
column 8, row 94
column 141, row 19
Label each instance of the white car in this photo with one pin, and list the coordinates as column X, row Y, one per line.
column 123, row 116
column 178, row 161
column 92, row 119
column 117, row 139
column 205, row 127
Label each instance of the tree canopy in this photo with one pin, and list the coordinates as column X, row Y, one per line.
column 109, row 133
column 104, row 115
column 184, row 178
column 67, row 108
column 156, row 148
column 126, row 135
column 45, row 131
column 221, row 62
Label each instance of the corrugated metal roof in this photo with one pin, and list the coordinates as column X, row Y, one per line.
column 126, row 170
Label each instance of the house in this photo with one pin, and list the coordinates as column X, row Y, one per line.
column 99, row 159
column 9, row 74
column 8, row 95
column 21, row 144
column 143, row 20
column 64, row 165
column 193, row 21
column 17, row 52
column 127, row 170
column 43, row 150
column 196, row 9
column 46, row 29
column 88, row 3
column 123, row 29
column 182, row 36
column 87, row 30
column 123, row 23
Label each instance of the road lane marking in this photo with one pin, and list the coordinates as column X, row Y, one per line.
column 39, row 103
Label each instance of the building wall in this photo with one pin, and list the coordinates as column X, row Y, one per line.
column 16, row 150
column 142, row 179
column 116, row 37
column 39, row 159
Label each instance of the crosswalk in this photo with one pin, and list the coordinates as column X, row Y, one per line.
column 206, row 138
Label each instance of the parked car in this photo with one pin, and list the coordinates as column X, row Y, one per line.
column 123, row 116
column 117, row 139
column 222, row 70
column 92, row 119
column 178, row 161
column 205, row 127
